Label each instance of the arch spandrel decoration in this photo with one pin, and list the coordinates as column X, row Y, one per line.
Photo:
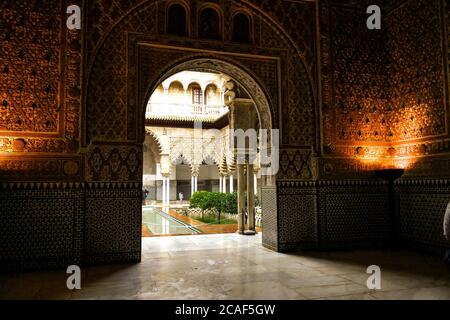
column 299, row 28
column 258, row 74
column 114, row 96
column 111, row 45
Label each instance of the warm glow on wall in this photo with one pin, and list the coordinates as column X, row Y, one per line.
column 412, row 122
column 405, row 163
column 407, row 123
column 384, row 158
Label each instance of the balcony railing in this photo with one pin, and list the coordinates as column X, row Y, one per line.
column 158, row 110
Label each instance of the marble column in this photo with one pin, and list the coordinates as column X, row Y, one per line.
column 164, row 190
column 192, row 185
column 255, row 183
column 224, row 184
column 220, row 184
column 168, row 191
column 231, row 184
column 250, row 200
column 241, row 193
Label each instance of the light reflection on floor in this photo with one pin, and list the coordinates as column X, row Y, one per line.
column 237, row 267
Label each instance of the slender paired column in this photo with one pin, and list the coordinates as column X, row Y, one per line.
column 194, row 186
column 250, row 199
column 223, row 184
column 168, row 190
column 164, row 191
column 241, row 191
column 231, row 184
column 255, row 182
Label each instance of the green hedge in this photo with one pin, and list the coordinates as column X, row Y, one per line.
column 222, row 202
column 231, row 203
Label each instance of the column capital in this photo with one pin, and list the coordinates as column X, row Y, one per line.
column 195, row 170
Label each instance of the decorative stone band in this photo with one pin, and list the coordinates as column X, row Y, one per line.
column 114, row 185
column 283, row 183
column 42, row 185
column 411, row 182
column 351, row 182
column 424, row 182
column 69, row 185
column 316, row 183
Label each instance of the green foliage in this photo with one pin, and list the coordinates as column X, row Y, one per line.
column 216, row 200
column 213, row 219
column 198, row 200
column 231, row 203
column 221, row 202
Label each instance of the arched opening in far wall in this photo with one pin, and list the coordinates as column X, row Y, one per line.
column 217, row 97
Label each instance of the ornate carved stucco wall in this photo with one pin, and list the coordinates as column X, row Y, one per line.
column 423, row 194
column 40, row 92
column 419, row 80
column 385, row 98
column 41, row 170
column 384, row 91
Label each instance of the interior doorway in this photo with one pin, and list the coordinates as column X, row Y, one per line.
column 188, row 156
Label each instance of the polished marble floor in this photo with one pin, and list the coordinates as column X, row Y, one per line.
column 238, row 267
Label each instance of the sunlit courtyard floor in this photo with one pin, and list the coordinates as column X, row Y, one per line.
column 238, row 267
column 204, row 228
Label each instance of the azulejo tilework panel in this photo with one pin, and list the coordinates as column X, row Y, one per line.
column 332, row 214
column 113, row 222
column 422, row 207
column 54, row 225
column 353, row 213
column 40, row 225
column 348, row 214
column 297, row 212
column 269, row 207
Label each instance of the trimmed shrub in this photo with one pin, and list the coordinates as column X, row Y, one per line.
column 231, row 203
column 218, row 201
column 198, row 200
